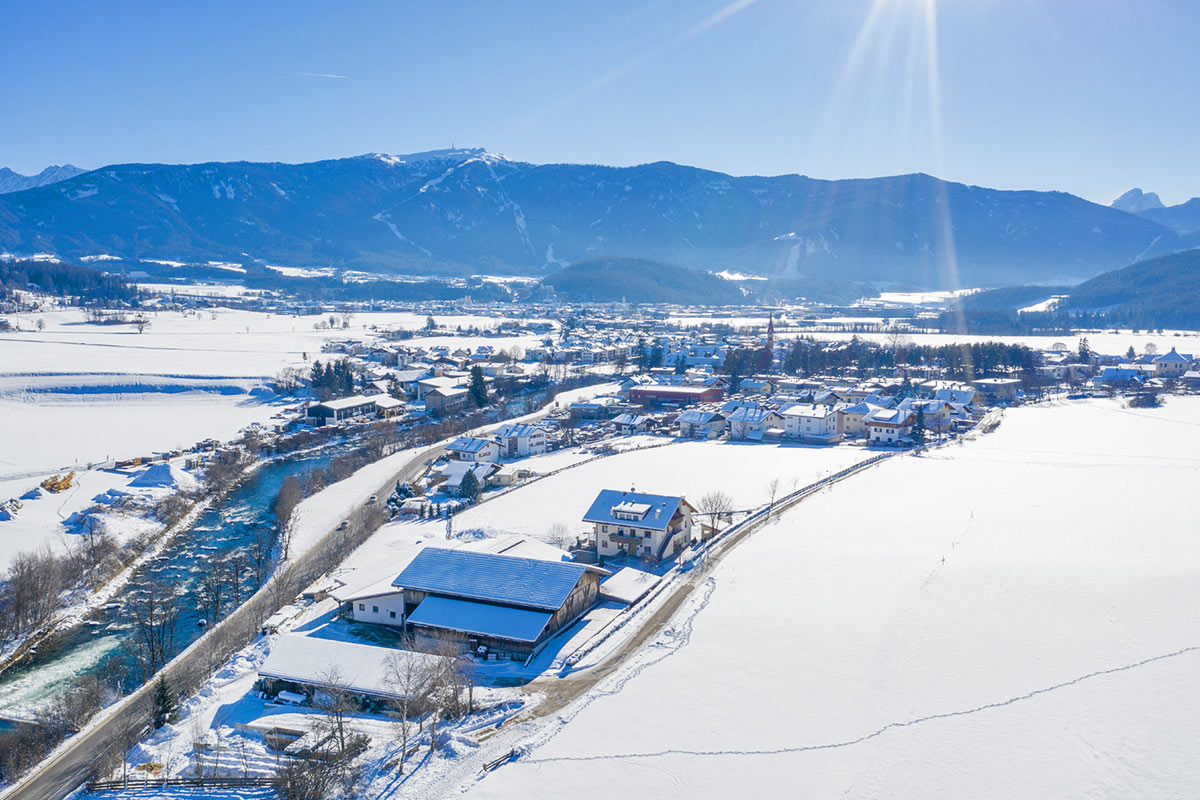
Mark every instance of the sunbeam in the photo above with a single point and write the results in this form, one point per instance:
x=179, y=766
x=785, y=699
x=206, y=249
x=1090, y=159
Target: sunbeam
x=621, y=70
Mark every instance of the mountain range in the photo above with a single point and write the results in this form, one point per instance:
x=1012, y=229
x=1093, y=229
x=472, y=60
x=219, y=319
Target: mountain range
x=469, y=211
x=16, y=182
x=1183, y=218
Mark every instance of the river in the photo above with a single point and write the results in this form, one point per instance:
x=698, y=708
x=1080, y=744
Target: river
x=105, y=635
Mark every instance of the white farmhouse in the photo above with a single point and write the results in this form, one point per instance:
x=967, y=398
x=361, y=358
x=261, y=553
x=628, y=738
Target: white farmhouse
x=1170, y=365
x=518, y=440
x=751, y=423
x=474, y=448
x=889, y=425
x=812, y=422
x=638, y=524
x=698, y=423
x=853, y=416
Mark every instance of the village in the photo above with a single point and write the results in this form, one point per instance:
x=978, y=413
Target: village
x=438, y=620
x=464, y=598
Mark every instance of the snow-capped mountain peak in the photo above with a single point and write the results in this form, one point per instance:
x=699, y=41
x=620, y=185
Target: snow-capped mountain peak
x=1135, y=200
x=11, y=181
x=453, y=155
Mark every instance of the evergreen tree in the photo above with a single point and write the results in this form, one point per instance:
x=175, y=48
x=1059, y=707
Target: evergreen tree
x=166, y=705
x=477, y=388
x=735, y=381
x=918, y=430
x=469, y=489
x=656, y=357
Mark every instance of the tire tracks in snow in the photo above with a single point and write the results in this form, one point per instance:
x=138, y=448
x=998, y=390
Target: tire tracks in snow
x=670, y=641
x=891, y=726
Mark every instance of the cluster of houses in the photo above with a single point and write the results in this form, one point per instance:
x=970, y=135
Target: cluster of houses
x=809, y=411
x=1149, y=371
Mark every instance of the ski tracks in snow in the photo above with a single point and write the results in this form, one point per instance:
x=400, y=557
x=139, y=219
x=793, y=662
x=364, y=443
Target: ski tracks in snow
x=891, y=726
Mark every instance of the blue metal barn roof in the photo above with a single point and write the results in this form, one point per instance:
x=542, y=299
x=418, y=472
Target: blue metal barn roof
x=491, y=578
x=481, y=619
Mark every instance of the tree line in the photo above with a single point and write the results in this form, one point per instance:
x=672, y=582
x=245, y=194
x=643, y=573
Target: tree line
x=90, y=286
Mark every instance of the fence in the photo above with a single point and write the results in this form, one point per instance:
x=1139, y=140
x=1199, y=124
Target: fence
x=165, y=783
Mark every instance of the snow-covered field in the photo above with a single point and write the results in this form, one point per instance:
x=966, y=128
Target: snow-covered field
x=77, y=393
x=1013, y=617
x=688, y=468
x=43, y=433
x=219, y=341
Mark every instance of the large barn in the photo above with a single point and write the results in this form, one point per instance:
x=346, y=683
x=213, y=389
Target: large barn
x=498, y=606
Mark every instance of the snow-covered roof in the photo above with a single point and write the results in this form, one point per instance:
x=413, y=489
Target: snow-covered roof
x=469, y=444
x=517, y=430
x=629, y=585
x=752, y=416
x=860, y=408
x=482, y=619
x=455, y=471
x=362, y=590
x=528, y=582
x=734, y=405
x=329, y=664
x=343, y=403
x=672, y=389
x=517, y=545
x=659, y=509
x=697, y=417
x=1171, y=357
x=808, y=410
x=961, y=394
x=887, y=416
x=630, y=419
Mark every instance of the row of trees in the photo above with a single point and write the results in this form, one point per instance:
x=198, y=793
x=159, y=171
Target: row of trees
x=335, y=379
x=859, y=356
x=68, y=281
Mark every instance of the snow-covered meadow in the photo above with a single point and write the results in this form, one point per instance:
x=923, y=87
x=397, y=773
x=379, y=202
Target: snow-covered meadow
x=689, y=468
x=1012, y=617
x=77, y=392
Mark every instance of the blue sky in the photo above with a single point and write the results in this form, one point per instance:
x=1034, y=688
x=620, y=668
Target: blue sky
x=1086, y=96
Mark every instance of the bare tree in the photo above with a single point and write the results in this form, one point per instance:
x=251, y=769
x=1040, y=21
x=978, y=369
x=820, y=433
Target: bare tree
x=713, y=505
x=560, y=535
x=284, y=507
x=409, y=675
x=336, y=701
x=214, y=583
x=452, y=671
x=773, y=490
x=235, y=571
x=155, y=614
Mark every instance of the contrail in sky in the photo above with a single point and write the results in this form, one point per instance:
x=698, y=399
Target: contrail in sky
x=321, y=75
